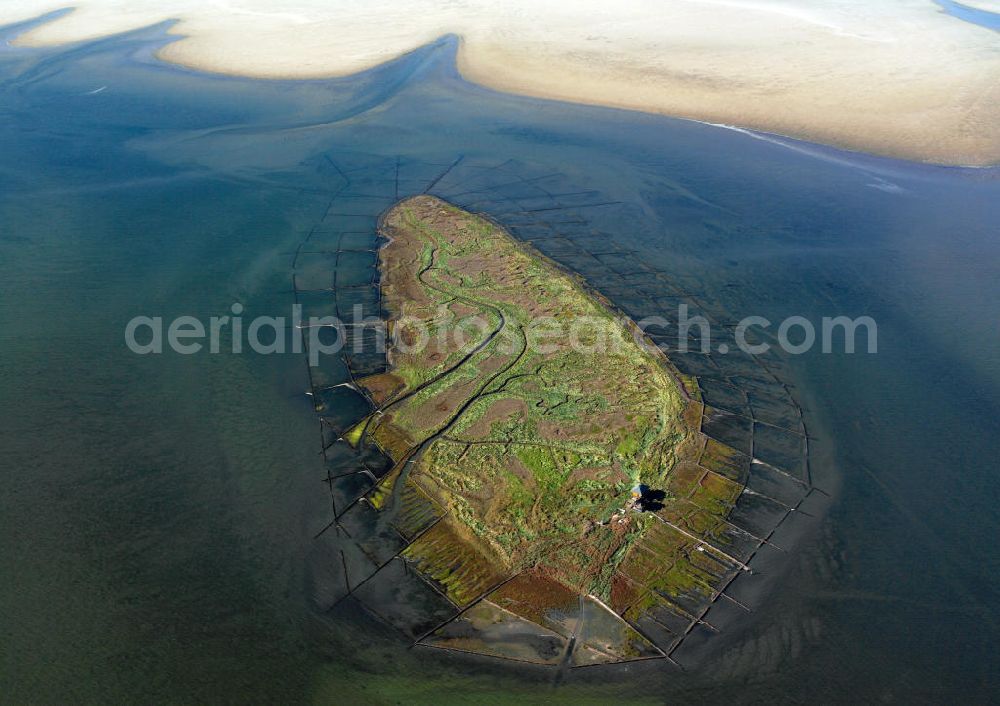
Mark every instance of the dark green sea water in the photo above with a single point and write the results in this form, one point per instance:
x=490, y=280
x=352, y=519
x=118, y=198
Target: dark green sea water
x=159, y=512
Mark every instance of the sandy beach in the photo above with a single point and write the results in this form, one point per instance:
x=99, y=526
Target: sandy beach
x=891, y=77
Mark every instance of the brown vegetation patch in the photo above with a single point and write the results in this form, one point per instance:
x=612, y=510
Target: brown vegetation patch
x=381, y=387
x=532, y=593
x=439, y=408
x=609, y=474
x=501, y=409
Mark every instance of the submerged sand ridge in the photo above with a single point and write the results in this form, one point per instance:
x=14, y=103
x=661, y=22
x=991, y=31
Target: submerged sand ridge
x=898, y=78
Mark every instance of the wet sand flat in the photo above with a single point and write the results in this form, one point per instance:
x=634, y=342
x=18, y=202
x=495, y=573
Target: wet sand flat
x=903, y=79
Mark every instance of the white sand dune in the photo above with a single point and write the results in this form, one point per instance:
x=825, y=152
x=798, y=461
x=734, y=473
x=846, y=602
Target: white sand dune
x=894, y=77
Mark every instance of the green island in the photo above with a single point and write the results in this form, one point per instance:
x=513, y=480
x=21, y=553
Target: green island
x=539, y=479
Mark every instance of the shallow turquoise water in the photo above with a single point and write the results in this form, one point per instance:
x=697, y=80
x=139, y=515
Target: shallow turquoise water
x=159, y=512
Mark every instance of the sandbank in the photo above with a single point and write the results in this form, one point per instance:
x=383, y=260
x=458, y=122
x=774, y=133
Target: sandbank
x=891, y=77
